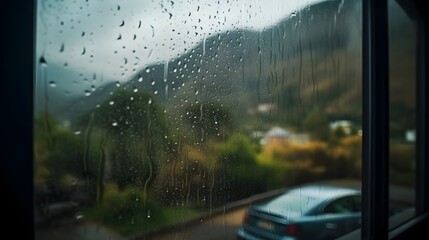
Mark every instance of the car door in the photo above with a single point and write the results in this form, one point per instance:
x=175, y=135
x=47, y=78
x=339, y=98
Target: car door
x=340, y=216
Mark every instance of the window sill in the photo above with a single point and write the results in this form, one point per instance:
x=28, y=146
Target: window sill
x=402, y=226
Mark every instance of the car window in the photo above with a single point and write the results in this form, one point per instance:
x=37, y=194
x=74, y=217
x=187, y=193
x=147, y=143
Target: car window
x=343, y=205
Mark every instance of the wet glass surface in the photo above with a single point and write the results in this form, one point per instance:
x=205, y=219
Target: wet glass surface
x=161, y=119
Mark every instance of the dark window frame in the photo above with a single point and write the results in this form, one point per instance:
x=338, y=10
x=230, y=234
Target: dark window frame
x=375, y=163
x=17, y=120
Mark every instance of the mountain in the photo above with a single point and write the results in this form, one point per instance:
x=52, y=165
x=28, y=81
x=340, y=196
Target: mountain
x=311, y=59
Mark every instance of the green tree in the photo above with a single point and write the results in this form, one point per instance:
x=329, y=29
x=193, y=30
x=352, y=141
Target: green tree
x=58, y=165
x=316, y=122
x=137, y=136
x=238, y=173
x=209, y=120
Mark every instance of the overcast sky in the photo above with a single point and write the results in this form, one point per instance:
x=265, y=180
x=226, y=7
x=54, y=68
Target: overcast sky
x=116, y=38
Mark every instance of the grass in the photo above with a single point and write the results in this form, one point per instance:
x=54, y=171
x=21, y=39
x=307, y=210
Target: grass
x=139, y=223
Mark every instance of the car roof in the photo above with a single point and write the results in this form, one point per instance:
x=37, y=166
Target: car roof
x=300, y=200
x=323, y=192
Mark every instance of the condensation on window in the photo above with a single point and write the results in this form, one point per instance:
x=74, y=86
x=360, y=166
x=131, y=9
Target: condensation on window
x=167, y=119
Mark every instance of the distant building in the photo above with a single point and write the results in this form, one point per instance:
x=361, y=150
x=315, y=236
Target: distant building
x=281, y=135
x=276, y=134
x=344, y=125
x=262, y=108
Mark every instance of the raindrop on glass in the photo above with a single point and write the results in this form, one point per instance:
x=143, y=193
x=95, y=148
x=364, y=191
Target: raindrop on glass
x=79, y=216
x=42, y=61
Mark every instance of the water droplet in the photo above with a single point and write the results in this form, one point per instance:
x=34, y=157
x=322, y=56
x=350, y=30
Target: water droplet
x=148, y=70
x=148, y=213
x=87, y=93
x=135, y=90
x=77, y=132
x=42, y=61
x=153, y=31
x=137, y=199
x=119, y=37
x=52, y=84
x=140, y=79
x=62, y=47
x=118, y=84
x=79, y=216
x=150, y=101
x=83, y=51
x=122, y=23
x=152, y=83
x=156, y=92
x=111, y=102
x=114, y=124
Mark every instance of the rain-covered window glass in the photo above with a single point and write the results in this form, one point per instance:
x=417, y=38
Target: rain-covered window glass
x=183, y=119
x=402, y=101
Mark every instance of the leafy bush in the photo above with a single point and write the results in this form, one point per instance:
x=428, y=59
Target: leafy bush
x=315, y=160
x=127, y=211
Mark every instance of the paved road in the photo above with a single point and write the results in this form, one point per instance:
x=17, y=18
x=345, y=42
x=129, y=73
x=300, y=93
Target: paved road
x=221, y=226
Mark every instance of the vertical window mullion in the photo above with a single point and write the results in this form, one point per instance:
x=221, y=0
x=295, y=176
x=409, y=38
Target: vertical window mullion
x=422, y=181
x=375, y=164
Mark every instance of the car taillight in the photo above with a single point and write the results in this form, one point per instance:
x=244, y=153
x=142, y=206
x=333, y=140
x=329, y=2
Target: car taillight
x=292, y=230
x=246, y=216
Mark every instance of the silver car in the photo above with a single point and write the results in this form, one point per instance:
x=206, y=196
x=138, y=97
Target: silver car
x=309, y=212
